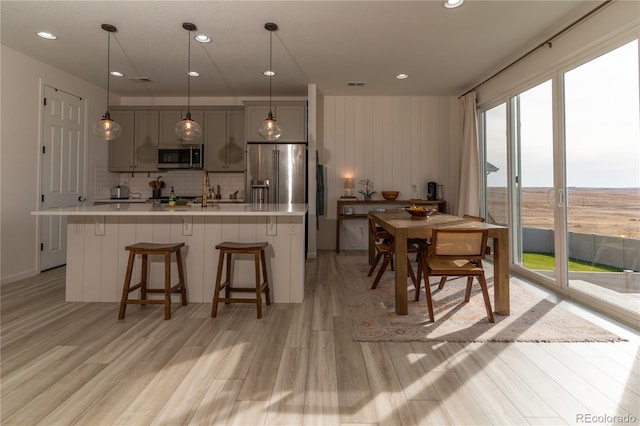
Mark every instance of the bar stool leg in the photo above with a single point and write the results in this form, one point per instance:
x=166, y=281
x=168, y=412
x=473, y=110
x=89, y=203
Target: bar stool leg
x=258, y=286
x=167, y=286
x=183, y=287
x=125, y=287
x=216, y=291
x=227, y=289
x=266, y=280
x=143, y=279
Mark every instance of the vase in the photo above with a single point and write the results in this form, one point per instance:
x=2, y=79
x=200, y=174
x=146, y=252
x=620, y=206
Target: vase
x=367, y=197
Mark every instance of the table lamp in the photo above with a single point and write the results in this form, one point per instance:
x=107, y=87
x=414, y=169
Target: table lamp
x=348, y=186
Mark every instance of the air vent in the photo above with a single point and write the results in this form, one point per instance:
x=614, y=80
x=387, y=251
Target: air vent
x=355, y=83
x=140, y=79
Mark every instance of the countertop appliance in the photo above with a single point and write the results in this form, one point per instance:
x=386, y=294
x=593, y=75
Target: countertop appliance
x=182, y=156
x=120, y=192
x=282, y=167
x=431, y=190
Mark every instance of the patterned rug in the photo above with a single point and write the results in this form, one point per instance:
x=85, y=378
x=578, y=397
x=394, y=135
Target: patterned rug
x=532, y=319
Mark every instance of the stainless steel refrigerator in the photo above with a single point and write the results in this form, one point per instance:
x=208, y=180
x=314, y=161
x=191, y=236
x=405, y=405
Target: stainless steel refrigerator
x=277, y=173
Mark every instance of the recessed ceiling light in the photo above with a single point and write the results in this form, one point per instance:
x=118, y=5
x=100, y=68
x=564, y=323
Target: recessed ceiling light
x=269, y=73
x=46, y=35
x=450, y=4
x=193, y=74
x=116, y=74
x=402, y=76
x=203, y=38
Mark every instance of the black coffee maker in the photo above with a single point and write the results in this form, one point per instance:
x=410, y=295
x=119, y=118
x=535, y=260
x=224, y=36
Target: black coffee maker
x=431, y=190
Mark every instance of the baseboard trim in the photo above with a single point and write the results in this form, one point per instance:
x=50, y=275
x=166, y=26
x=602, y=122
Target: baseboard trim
x=17, y=277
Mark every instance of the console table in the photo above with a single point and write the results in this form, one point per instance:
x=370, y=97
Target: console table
x=441, y=206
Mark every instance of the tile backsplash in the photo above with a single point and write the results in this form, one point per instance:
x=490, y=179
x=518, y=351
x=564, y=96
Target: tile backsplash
x=184, y=182
x=104, y=181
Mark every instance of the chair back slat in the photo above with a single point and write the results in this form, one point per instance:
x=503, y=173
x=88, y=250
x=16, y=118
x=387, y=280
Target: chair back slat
x=372, y=228
x=459, y=243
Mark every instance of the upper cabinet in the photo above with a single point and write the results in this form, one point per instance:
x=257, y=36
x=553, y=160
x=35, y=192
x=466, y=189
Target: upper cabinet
x=169, y=119
x=224, y=140
x=223, y=135
x=135, y=150
x=146, y=141
x=121, y=149
x=290, y=116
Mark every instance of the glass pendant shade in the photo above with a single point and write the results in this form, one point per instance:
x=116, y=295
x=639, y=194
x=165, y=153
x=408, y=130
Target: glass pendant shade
x=269, y=129
x=188, y=129
x=107, y=129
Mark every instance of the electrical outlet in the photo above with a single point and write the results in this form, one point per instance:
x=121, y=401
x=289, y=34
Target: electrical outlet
x=271, y=225
x=187, y=225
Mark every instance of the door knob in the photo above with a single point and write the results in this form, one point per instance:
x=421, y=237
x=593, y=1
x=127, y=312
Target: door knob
x=81, y=198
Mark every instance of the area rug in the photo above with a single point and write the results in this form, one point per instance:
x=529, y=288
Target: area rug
x=533, y=318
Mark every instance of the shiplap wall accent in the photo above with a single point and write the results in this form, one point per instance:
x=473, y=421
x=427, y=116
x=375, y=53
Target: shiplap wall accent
x=395, y=141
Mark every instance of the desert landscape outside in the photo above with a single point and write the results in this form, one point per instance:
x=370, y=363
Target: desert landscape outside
x=601, y=211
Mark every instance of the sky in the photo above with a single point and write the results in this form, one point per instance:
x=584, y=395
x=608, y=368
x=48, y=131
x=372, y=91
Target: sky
x=602, y=127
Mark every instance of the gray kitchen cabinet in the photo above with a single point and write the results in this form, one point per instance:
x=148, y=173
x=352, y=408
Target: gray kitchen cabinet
x=224, y=140
x=290, y=116
x=121, y=149
x=146, y=141
x=135, y=150
x=168, y=120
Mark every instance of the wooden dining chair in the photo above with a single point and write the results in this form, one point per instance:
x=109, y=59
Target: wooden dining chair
x=384, y=246
x=455, y=252
x=487, y=249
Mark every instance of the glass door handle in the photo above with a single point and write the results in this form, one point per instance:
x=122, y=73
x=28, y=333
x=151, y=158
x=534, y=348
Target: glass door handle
x=553, y=200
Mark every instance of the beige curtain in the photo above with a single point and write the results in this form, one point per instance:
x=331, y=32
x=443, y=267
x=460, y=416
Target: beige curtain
x=469, y=191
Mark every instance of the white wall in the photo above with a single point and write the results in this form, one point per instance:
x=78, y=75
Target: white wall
x=394, y=141
x=22, y=80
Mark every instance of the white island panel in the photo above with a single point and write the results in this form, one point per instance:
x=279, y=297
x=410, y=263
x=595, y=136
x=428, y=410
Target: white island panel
x=97, y=260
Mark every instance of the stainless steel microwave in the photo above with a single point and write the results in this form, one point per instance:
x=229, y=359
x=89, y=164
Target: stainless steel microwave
x=180, y=156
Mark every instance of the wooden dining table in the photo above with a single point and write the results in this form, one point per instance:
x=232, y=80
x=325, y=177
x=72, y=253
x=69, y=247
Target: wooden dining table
x=402, y=227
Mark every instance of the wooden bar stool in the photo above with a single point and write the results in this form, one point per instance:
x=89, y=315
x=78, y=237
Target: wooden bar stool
x=229, y=248
x=146, y=249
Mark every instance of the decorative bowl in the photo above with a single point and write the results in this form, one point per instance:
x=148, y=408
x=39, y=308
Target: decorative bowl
x=419, y=212
x=390, y=195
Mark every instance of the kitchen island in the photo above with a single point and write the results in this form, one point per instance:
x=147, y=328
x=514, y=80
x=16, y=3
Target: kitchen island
x=97, y=237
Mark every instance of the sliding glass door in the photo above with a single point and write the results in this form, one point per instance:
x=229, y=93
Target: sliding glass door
x=602, y=140
x=533, y=198
x=562, y=169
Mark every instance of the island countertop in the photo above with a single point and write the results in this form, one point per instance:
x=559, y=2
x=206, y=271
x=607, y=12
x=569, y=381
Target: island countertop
x=148, y=209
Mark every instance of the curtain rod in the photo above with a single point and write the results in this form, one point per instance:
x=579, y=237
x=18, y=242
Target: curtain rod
x=547, y=42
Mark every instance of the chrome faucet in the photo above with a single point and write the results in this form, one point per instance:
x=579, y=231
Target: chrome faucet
x=205, y=187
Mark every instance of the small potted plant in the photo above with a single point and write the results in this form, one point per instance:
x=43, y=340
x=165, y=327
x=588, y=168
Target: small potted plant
x=367, y=189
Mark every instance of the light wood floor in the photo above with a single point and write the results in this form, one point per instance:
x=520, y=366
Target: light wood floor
x=74, y=363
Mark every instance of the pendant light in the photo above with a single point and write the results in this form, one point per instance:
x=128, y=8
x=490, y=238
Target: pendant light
x=269, y=129
x=188, y=129
x=106, y=128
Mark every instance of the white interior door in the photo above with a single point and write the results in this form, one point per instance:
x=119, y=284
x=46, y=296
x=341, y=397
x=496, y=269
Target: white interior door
x=63, y=181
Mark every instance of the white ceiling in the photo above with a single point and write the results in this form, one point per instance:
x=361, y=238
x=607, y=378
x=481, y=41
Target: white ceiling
x=328, y=43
